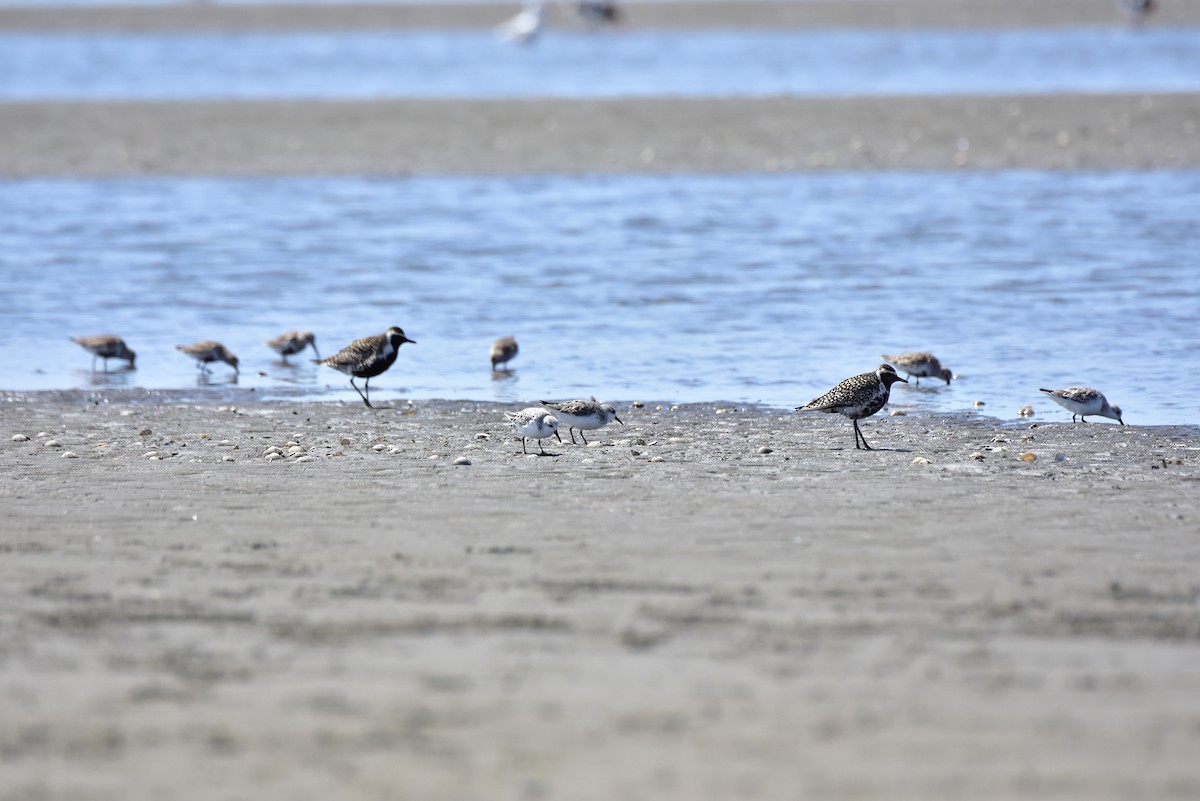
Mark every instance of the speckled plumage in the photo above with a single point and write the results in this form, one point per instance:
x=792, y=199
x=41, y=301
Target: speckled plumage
x=106, y=346
x=208, y=350
x=857, y=397
x=1083, y=401
x=534, y=423
x=503, y=350
x=367, y=358
x=920, y=364
x=585, y=415
x=292, y=342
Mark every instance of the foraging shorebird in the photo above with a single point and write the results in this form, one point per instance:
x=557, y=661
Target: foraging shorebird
x=920, y=364
x=208, y=350
x=534, y=423
x=367, y=358
x=600, y=12
x=1137, y=10
x=525, y=26
x=857, y=397
x=1083, y=401
x=503, y=350
x=582, y=414
x=106, y=346
x=292, y=343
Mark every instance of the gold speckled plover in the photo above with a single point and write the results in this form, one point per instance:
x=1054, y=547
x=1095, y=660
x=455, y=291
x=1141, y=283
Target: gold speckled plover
x=106, y=346
x=367, y=358
x=857, y=397
x=1083, y=401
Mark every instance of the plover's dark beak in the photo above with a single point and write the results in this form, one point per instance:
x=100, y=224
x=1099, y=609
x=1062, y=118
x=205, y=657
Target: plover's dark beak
x=409, y=341
x=618, y=419
x=558, y=435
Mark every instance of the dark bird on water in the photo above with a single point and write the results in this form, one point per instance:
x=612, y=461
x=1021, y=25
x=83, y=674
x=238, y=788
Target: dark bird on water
x=292, y=342
x=503, y=350
x=105, y=346
x=920, y=364
x=207, y=351
x=367, y=358
x=857, y=397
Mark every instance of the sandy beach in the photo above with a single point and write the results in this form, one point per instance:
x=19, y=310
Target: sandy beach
x=647, y=135
x=672, y=612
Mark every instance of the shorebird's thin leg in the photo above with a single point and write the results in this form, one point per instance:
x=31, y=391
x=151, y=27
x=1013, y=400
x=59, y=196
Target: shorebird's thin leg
x=93, y=363
x=105, y=360
x=523, y=447
x=581, y=436
x=540, y=448
x=571, y=431
x=861, y=435
x=359, y=391
x=1082, y=419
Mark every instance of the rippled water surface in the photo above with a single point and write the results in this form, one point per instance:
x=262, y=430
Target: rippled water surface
x=744, y=288
x=575, y=64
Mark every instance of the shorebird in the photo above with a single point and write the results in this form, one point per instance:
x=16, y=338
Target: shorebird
x=1083, y=401
x=208, y=350
x=525, y=26
x=857, y=397
x=105, y=346
x=292, y=343
x=367, y=358
x=1137, y=10
x=921, y=364
x=582, y=414
x=534, y=423
x=503, y=350
x=602, y=12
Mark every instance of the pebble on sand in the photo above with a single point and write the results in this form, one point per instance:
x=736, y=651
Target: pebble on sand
x=1028, y=456
x=20, y=438
x=51, y=443
x=1026, y=411
x=922, y=460
x=69, y=455
x=462, y=460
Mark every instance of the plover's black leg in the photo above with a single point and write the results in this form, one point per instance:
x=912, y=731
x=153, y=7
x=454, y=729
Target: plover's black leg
x=541, y=450
x=523, y=447
x=858, y=432
x=581, y=436
x=359, y=391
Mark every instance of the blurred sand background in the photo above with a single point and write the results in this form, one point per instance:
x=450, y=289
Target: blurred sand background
x=184, y=619
x=397, y=137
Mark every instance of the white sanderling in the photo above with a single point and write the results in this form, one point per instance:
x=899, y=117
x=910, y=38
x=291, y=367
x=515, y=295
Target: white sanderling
x=503, y=350
x=857, y=397
x=367, y=358
x=920, y=364
x=525, y=26
x=106, y=346
x=534, y=423
x=292, y=342
x=207, y=351
x=586, y=415
x=1083, y=401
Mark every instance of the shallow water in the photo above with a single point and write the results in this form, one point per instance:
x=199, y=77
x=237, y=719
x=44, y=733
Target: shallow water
x=745, y=288
x=574, y=64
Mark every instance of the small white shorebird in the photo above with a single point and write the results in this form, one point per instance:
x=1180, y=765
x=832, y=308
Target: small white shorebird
x=504, y=350
x=292, y=342
x=586, y=415
x=1083, y=401
x=920, y=364
x=525, y=26
x=857, y=397
x=106, y=346
x=207, y=351
x=534, y=423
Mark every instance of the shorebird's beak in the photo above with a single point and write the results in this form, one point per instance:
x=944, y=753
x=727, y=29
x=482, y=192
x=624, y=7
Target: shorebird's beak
x=905, y=380
x=618, y=419
x=409, y=341
x=558, y=435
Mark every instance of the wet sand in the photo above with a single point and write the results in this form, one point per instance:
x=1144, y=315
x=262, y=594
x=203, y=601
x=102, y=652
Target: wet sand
x=724, y=623
x=649, y=135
